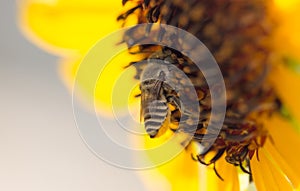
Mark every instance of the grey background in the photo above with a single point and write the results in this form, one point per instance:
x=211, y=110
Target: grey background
x=40, y=147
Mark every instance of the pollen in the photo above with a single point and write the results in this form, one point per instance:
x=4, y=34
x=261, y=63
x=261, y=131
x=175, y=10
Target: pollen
x=237, y=34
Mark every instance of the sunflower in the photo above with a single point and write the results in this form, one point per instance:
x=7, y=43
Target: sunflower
x=268, y=32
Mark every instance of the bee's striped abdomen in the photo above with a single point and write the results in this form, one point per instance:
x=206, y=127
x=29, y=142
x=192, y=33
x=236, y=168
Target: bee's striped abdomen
x=155, y=113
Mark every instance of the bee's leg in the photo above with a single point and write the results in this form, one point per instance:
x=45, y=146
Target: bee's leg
x=185, y=109
x=174, y=100
x=177, y=114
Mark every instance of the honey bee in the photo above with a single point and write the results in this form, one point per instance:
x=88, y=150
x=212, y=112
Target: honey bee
x=156, y=94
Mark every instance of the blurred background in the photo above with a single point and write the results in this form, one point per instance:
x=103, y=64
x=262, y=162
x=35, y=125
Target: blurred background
x=40, y=146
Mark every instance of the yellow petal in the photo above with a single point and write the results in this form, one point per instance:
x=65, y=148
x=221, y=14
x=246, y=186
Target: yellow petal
x=286, y=140
x=183, y=173
x=286, y=5
x=287, y=86
x=266, y=176
x=61, y=26
x=227, y=171
x=287, y=39
x=112, y=88
x=278, y=167
x=179, y=173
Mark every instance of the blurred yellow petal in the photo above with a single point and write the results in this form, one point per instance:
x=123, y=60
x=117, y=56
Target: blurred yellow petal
x=227, y=171
x=287, y=85
x=180, y=172
x=183, y=173
x=63, y=26
x=114, y=86
x=286, y=4
x=287, y=39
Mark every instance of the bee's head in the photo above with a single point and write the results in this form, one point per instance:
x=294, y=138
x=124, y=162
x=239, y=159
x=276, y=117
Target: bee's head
x=156, y=69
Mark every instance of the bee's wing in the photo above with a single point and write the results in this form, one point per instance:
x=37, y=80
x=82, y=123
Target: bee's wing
x=148, y=96
x=144, y=98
